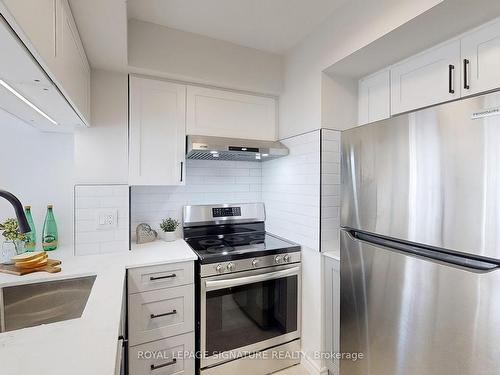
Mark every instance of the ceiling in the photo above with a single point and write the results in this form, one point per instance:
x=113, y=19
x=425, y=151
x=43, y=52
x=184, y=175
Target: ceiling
x=268, y=25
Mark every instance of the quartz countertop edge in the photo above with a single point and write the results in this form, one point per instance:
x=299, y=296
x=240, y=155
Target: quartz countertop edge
x=68, y=345
x=334, y=254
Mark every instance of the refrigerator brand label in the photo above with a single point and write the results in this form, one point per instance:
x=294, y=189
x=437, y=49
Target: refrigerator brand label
x=486, y=113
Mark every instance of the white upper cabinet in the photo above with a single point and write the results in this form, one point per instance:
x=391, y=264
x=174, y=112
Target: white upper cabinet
x=426, y=79
x=54, y=40
x=38, y=20
x=73, y=69
x=374, y=97
x=229, y=114
x=481, y=59
x=157, y=132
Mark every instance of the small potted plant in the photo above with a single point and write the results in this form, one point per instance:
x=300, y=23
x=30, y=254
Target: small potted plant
x=14, y=240
x=168, y=227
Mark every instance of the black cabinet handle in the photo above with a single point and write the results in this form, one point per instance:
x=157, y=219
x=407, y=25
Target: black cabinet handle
x=156, y=367
x=153, y=278
x=173, y=312
x=466, y=74
x=182, y=170
x=451, y=69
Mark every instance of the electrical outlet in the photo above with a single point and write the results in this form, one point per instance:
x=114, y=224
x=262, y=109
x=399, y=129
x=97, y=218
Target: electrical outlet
x=107, y=219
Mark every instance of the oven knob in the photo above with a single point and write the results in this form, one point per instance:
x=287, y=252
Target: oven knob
x=219, y=268
x=255, y=263
x=278, y=259
x=230, y=267
x=286, y=258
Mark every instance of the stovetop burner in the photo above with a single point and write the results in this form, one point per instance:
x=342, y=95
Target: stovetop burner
x=222, y=247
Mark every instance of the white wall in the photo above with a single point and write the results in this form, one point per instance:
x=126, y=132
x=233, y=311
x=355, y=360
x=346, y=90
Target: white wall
x=101, y=151
x=175, y=54
x=207, y=182
x=351, y=27
x=38, y=168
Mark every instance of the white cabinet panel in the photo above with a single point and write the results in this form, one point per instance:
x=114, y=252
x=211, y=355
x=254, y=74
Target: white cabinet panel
x=331, y=313
x=72, y=66
x=144, y=279
x=374, y=97
x=160, y=313
x=230, y=114
x=481, y=60
x=157, y=132
x=38, y=20
x=424, y=80
x=169, y=358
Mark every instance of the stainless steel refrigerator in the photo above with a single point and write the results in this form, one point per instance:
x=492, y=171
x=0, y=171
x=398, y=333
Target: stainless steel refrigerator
x=420, y=242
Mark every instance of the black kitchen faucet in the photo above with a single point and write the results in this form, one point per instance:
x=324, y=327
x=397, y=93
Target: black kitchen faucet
x=18, y=208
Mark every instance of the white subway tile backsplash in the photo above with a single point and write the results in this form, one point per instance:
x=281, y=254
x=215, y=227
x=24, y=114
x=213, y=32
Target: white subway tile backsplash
x=89, y=201
x=330, y=190
x=291, y=191
x=207, y=182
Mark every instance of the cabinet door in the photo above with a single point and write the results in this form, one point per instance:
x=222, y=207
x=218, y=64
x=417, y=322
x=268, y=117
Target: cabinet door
x=37, y=18
x=331, y=314
x=481, y=60
x=157, y=132
x=72, y=66
x=429, y=78
x=230, y=114
x=374, y=97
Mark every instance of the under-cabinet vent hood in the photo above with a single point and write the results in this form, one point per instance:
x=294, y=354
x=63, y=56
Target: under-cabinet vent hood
x=217, y=148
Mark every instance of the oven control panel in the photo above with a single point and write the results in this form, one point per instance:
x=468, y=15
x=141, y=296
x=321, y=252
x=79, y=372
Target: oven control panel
x=250, y=264
x=226, y=211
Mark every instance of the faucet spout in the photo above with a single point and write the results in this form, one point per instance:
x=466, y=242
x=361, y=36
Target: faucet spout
x=24, y=227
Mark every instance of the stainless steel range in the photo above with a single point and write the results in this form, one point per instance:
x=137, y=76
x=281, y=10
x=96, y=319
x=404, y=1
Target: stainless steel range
x=248, y=291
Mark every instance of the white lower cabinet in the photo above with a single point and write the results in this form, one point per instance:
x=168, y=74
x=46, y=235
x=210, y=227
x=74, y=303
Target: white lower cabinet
x=481, y=59
x=157, y=144
x=163, y=357
x=426, y=79
x=161, y=313
x=161, y=320
x=331, y=313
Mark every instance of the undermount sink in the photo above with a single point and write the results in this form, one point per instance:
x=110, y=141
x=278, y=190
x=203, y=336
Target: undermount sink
x=46, y=302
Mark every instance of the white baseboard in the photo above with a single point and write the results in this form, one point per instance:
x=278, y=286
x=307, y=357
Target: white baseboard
x=312, y=367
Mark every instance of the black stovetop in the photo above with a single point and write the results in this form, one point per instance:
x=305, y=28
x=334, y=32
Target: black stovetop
x=216, y=246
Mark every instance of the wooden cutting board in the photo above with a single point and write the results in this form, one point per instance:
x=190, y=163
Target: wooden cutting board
x=51, y=267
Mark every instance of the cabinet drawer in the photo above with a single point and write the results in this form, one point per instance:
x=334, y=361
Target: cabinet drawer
x=159, y=277
x=160, y=313
x=167, y=357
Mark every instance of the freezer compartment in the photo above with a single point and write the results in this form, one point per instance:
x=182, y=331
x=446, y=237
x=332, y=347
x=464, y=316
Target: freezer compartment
x=430, y=176
x=413, y=315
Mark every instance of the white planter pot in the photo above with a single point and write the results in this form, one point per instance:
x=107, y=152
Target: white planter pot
x=168, y=236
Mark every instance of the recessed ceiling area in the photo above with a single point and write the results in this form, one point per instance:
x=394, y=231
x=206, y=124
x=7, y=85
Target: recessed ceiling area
x=268, y=25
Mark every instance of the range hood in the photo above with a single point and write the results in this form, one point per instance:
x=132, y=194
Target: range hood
x=218, y=148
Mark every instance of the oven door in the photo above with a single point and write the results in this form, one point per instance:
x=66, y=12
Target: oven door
x=246, y=312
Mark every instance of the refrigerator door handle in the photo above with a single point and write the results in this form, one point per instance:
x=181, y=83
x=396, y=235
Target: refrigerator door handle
x=472, y=264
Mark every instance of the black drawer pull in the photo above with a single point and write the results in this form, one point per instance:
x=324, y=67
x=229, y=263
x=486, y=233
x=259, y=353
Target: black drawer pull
x=153, y=278
x=156, y=367
x=173, y=312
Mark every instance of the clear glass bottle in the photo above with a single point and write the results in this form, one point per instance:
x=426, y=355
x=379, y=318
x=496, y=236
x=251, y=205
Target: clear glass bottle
x=49, y=236
x=30, y=237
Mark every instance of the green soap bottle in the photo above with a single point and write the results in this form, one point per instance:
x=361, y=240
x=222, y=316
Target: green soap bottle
x=49, y=236
x=30, y=237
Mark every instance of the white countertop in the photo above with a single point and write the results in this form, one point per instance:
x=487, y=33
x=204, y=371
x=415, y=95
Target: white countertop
x=87, y=345
x=335, y=254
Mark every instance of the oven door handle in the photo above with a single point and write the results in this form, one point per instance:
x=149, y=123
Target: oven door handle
x=228, y=283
